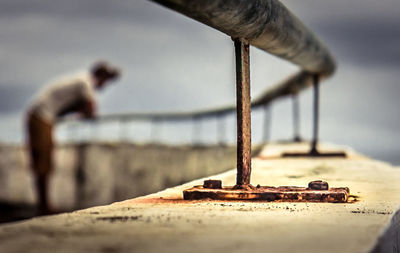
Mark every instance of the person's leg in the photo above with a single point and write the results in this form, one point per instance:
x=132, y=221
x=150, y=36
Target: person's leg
x=41, y=145
x=42, y=193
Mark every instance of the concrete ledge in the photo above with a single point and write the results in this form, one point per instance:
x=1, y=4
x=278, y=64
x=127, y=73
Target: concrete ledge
x=164, y=222
x=123, y=170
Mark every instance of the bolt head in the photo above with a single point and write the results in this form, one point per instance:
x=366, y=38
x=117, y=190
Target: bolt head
x=212, y=184
x=318, y=185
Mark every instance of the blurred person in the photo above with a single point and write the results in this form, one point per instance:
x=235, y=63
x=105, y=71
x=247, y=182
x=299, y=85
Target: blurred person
x=71, y=94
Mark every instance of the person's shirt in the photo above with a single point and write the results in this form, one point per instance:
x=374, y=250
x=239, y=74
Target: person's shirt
x=64, y=96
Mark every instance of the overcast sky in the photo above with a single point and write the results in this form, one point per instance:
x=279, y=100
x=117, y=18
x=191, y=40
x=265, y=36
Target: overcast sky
x=170, y=62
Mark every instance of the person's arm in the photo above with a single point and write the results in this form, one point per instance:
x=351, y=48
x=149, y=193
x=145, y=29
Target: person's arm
x=89, y=109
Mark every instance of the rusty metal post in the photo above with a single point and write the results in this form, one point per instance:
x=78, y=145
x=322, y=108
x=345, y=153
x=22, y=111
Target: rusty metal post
x=296, y=118
x=315, y=115
x=243, y=109
x=314, y=142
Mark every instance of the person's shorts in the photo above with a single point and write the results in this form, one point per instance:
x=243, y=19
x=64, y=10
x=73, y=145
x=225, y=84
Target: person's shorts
x=40, y=144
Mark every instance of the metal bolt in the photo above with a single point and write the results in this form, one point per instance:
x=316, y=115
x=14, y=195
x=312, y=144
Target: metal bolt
x=318, y=185
x=212, y=184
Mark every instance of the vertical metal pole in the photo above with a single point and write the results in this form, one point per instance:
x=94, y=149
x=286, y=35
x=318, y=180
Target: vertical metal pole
x=243, y=108
x=221, y=129
x=296, y=118
x=196, y=131
x=96, y=131
x=316, y=115
x=124, y=130
x=70, y=134
x=78, y=137
x=154, y=131
x=267, y=123
x=121, y=130
x=131, y=129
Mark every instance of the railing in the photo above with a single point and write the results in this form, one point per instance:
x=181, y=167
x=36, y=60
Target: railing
x=269, y=26
x=288, y=88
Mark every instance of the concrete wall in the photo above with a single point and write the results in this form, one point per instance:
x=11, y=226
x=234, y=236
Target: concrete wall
x=90, y=174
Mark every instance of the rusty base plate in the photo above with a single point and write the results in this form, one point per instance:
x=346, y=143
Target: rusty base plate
x=268, y=193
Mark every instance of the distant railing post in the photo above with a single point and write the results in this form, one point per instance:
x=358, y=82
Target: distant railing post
x=315, y=115
x=196, y=131
x=94, y=130
x=296, y=117
x=122, y=125
x=154, y=131
x=267, y=123
x=243, y=108
x=221, y=129
x=74, y=133
x=70, y=132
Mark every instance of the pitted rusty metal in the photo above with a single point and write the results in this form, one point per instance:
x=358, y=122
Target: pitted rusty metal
x=243, y=112
x=317, y=191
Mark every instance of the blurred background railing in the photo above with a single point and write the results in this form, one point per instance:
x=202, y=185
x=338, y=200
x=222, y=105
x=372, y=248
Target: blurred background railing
x=122, y=125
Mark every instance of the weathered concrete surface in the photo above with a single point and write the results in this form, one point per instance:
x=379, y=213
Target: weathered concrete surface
x=163, y=222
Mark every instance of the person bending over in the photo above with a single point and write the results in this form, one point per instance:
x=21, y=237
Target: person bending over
x=72, y=94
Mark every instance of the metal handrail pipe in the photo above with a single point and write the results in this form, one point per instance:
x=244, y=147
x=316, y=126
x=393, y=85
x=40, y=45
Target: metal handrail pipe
x=265, y=24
